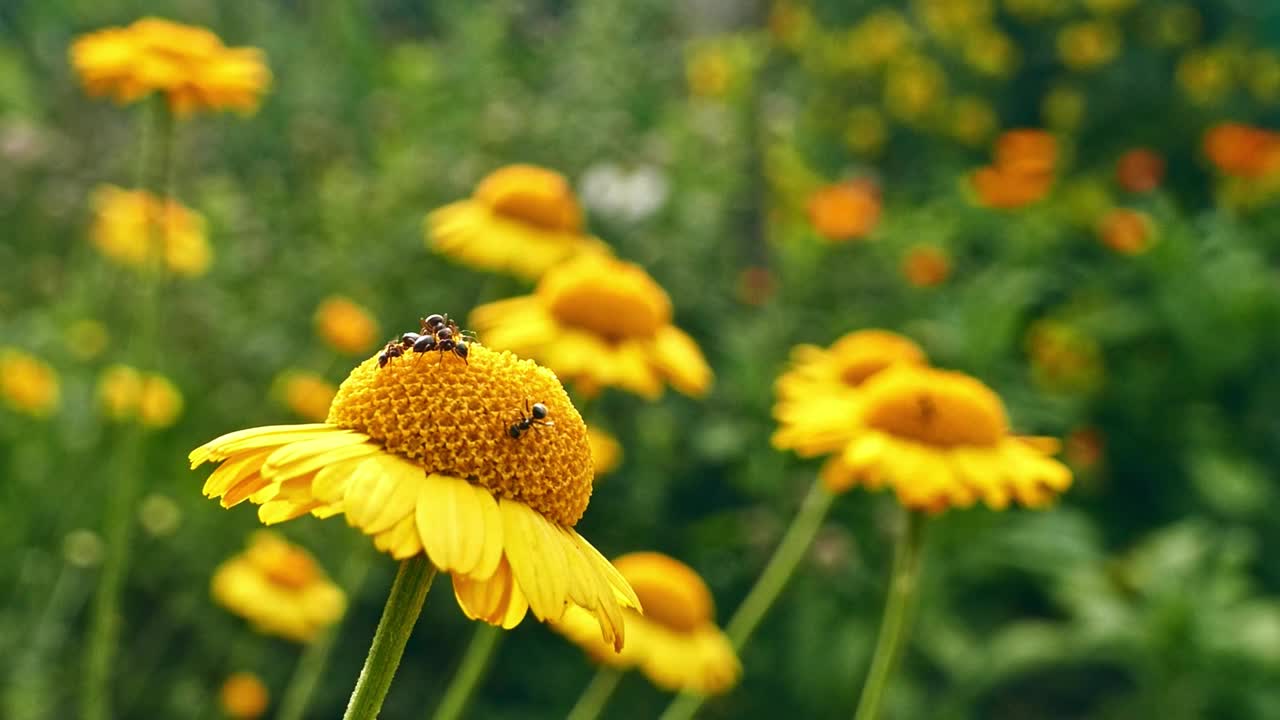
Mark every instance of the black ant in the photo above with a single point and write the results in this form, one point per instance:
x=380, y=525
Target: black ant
x=440, y=334
x=537, y=415
x=396, y=348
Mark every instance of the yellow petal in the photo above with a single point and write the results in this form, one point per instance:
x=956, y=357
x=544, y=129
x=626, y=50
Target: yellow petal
x=227, y=445
x=536, y=557
x=496, y=600
x=301, y=457
x=330, y=483
x=233, y=471
x=452, y=523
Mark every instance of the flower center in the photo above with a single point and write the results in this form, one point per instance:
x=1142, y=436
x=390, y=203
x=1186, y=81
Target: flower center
x=282, y=563
x=533, y=195
x=454, y=417
x=670, y=592
x=934, y=407
x=609, y=298
x=864, y=353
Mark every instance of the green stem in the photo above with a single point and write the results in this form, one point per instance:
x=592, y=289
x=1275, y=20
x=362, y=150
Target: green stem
x=403, y=605
x=894, y=627
x=597, y=694
x=474, y=663
x=125, y=484
x=311, y=665
x=790, y=551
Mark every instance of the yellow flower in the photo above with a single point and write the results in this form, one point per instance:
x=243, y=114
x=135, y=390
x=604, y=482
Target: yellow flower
x=599, y=322
x=346, y=326
x=709, y=72
x=990, y=52
x=1205, y=76
x=124, y=393
x=127, y=223
x=606, y=453
x=877, y=39
x=1264, y=75
x=521, y=219
x=160, y=403
x=818, y=394
x=278, y=587
x=190, y=65
x=119, y=387
x=941, y=439
x=90, y=338
x=951, y=18
x=27, y=384
x=1088, y=45
x=676, y=643
x=306, y=393
x=972, y=120
x=790, y=23
x=244, y=696
x=417, y=455
x=1063, y=108
x=912, y=87
x=1174, y=25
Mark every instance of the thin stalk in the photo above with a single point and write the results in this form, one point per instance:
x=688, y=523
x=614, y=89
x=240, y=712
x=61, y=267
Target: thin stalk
x=125, y=481
x=790, y=552
x=404, y=603
x=472, y=668
x=597, y=694
x=894, y=625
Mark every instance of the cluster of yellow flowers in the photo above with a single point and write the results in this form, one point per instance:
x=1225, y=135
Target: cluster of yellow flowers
x=138, y=229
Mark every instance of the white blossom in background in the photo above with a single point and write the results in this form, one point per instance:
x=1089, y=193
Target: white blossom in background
x=626, y=194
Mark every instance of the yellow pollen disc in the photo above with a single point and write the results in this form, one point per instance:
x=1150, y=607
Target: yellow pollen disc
x=670, y=592
x=610, y=298
x=531, y=194
x=864, y=353
x=282, y=563
x=934, y=407
x=452, y=417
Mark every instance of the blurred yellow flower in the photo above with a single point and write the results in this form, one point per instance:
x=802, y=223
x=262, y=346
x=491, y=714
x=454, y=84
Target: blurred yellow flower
x=790, y=23
x=990, y=52
x=845, y=210
x=941, y=439
x=346, y=326
x=1063, y=358
x=1263, y=76
x=27, y=384
x=865, y=131
x=676, y=642
x=948, y=19
x=1063, y=108
x=1126, y=231
x=279, y=588
x=1088, y=45
x=244, y=696
x=1205, y=76
x=912, y=86
x=926, y=266
x=1140, y=170
x=306, y=394
x=126, y=393
x=90, y=338
x=127, y=223
x=972, y=119
x=599, y=322
x=877, y=39
x=1173, y=25
x=709, y=72
x=442, y=476
x=521, y=219
x=818, y=394
x=606, y=452
x=188, y=64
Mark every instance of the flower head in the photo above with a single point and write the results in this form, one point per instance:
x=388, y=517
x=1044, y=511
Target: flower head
x=278, y=587
x=1140, y=170
x=346, y=326
x=926, y=266
x=599, y=322
x=417, y=454
x=1126, y=231
x=306, y=394
x=1088, y=45
x=846, y=210
x=941, y=439
x=188, y=64
x=138, y=229
x=126, y=393
x=1241, y=150
x=27, y=384
x=606, y=452
x=244, y=696
x=818, y=394
x=676, y=643
x=1022, y=171
x=521, y=219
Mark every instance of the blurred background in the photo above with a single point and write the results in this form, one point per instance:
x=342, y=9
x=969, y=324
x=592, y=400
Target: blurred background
x=1129, y=306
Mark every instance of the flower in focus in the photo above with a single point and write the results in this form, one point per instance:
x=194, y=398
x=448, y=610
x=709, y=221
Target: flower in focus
x=279, y=588
x=306, y=394
x=676, y=642
x=1064, y=358
x=1140, y=170
x=417, y=455
x=127, y=224
x=941, y=439
x=125, y=393
x=1022, y=172
x=27, y=384
x=521, y=219
x=189, y=64
x=244, y=696
x=1128, y=232
x=1242, y=150
x=346, y=326
x=606, y=452
x=1088, y=45
x=846, y=210
x=818, y=394
x=599, y=322
x=926, y=266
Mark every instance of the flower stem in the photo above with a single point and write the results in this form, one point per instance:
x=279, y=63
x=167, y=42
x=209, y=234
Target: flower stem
x=790, y=551
x=597, y=694
x=104, y=630
x=470, y=671
x=894, y=627
x=404, y=603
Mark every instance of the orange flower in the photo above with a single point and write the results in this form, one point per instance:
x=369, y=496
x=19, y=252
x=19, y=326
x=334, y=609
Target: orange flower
x=1242, y=150
x=1140, y=170
x=846, y=210
x=1128, y=232
x=346, y=326
x=1003, y=189
x=1026, y=151
x=1022, y=172
x=926, y=266
x=244, y=696
x=1083, y=448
